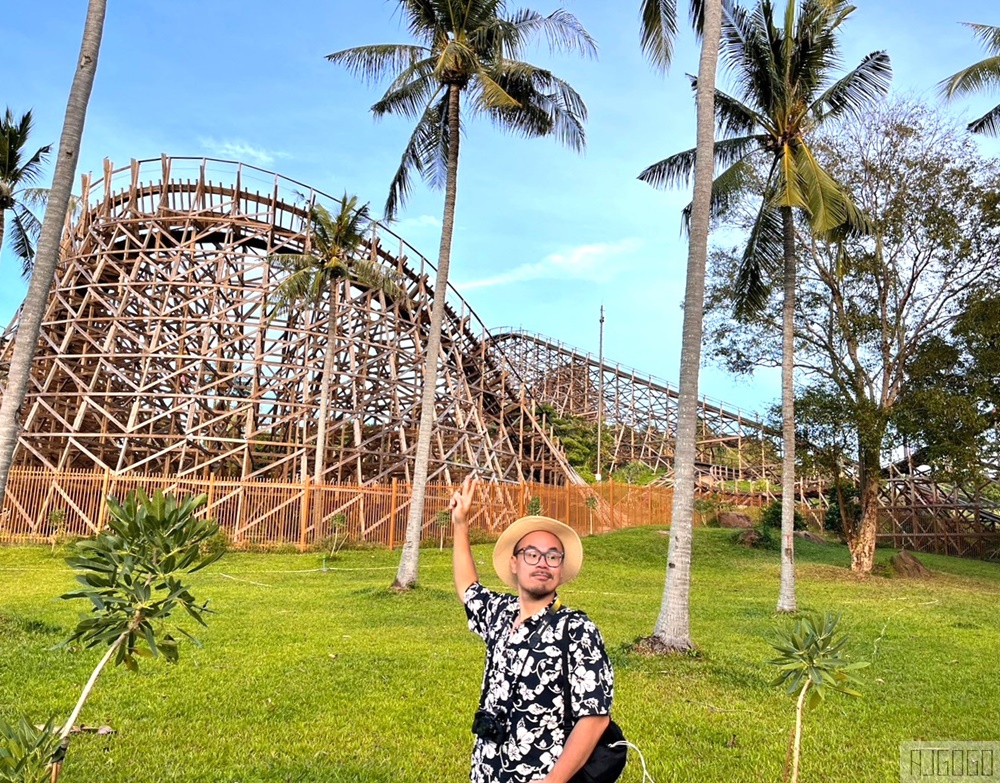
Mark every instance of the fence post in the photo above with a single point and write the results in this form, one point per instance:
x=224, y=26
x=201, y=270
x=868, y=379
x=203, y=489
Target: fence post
x=211, y=493
x=611, y=502
x=102, y=504
x=392, y=516
x=304, y=517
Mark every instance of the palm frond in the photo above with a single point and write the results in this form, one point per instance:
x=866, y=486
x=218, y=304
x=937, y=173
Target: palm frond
x=988, y=35
x=546, y=105
x=25, y=230
x=853, y=94
x=978, y=77
x=727, y=189
x=409, y=92
x=658, y=30
x=421, y=18
x=732, y=116
x=372, y=63
x=827, y=203
x=989, y=123
x=562, y=32
x=762, y=260
x=678, y=170
x=456, y=63
x=490, y=95
x=426, y=152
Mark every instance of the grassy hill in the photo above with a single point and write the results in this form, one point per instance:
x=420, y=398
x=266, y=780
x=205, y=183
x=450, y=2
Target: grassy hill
x=308, y=675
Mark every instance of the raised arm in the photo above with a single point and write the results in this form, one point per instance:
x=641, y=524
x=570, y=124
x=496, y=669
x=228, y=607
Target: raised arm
x=463, y=566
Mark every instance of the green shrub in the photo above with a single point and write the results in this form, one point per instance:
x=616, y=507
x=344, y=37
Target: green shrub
x=833, y=521
x=770, y=516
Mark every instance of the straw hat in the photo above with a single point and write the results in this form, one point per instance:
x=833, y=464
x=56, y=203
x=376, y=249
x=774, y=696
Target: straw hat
x=567, y=536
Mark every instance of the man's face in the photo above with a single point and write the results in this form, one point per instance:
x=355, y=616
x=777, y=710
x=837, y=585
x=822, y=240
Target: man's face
x=541, y=579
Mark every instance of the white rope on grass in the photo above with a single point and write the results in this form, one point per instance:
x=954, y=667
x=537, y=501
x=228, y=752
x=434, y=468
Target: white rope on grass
x=245, y=581
x=645, y=772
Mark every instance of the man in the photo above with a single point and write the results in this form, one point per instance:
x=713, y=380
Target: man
x=521, y=724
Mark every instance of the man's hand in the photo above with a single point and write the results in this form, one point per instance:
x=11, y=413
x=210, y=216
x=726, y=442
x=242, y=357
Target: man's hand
x=463, y=566
x=461, y=501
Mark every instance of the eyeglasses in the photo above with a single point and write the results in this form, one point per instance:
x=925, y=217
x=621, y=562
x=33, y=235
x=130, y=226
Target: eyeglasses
x=532, y=556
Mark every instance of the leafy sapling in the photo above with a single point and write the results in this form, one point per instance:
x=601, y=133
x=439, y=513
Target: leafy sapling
x=131, y=573
x=811, y=665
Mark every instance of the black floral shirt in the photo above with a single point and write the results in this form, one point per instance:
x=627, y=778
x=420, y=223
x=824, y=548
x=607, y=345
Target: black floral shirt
x=524, y=678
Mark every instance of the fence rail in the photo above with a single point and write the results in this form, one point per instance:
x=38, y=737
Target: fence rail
x=41, y=505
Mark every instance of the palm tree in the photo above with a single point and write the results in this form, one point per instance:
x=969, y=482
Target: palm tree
x=317, y=276
x=672, y=631
x=978, y=77
x=467, y=48
x=784, y=91
x=47, y=254
x=17, y=172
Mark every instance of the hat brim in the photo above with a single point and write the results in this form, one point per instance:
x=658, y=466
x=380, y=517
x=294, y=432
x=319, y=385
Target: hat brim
x=504, y=549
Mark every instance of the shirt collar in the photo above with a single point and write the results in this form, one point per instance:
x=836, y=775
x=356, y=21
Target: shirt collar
x=553, y=606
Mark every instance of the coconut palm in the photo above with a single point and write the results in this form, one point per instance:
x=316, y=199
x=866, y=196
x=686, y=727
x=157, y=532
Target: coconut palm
x=18, y=172
x=672, y=631
x=47, y=253
x=467, y=49
x=784, y=92
x=978, y=77
x=317, y=278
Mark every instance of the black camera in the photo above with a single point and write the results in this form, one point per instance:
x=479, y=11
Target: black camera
x=488, y=726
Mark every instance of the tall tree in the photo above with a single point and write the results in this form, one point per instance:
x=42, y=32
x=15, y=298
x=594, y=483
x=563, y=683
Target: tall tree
x=49, y=241
x=979, y=77
x=883, y=320
x=782, y=75
x=18, y=172
x=470, y=49
x=672, y=631
x=333, y=259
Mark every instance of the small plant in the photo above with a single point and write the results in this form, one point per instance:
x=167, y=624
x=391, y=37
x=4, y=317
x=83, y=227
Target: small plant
x=131, y=574
x=534, y=506
x=811, y=665
x=441, y=521
x=591, y=504
x=27, y=751
x=335, y=538
x=771, y=517
x=57, y=526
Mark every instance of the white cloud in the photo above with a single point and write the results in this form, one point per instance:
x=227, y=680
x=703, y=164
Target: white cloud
x=241, y=151
x=421, y=221
x=598, y=263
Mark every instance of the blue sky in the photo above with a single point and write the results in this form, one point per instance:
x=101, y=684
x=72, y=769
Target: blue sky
x=544, y=236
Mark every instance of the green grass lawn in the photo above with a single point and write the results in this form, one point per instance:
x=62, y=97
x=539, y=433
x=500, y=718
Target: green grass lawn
x=312, y=676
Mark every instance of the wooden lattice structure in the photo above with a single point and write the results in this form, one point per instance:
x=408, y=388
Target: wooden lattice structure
x=924, y=515
x=159, y=351
x=639, y=410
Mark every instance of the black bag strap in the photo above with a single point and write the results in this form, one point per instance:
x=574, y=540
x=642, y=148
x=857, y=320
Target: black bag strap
x=563, y=642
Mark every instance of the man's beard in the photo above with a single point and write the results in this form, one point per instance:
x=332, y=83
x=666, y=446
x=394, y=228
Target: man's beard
x=537, y=593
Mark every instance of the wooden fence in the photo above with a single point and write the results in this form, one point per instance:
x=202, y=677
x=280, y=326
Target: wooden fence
x=41, y=506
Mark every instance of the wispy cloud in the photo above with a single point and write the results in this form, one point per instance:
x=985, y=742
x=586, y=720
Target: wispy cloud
x=241, y=151
x=420, y=221
x=598, y=263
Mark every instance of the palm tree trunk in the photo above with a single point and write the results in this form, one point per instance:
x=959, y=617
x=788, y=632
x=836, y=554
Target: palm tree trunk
x=786, y=597
x=324, y=385
x=406, y=575
x=673, y=625
x=47, y=256
x=3, y=225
